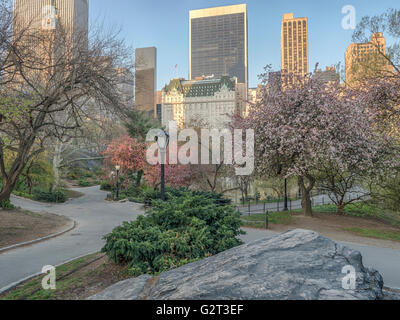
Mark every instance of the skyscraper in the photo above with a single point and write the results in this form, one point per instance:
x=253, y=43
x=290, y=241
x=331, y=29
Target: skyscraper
x=72, y=15
x=146, y=79
x=218, y=43
x=360, y=57
x=294, y=48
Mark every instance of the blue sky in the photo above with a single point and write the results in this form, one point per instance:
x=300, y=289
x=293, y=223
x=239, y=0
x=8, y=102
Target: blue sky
x=164, y=24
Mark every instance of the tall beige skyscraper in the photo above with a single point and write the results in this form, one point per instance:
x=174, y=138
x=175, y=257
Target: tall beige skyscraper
x=72, y=15
x=294, y=48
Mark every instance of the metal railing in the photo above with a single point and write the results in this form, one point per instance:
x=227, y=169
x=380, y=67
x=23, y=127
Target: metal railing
x=279, y=206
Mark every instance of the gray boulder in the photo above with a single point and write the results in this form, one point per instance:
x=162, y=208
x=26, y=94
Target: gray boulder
x=296, y=265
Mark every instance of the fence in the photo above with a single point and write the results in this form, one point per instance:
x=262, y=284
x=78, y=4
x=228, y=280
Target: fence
x=265, y=206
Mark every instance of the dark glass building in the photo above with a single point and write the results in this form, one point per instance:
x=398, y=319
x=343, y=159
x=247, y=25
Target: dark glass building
x=218, y=43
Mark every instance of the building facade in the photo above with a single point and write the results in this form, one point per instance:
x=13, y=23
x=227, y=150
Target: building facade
x=71, y=15
x=218, y=43
x=328, y=76
x=146, y=80
x=125, y=84
x=294, y=48
x=359, y=54
x=200, y=103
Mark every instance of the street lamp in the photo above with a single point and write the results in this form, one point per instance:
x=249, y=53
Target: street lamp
x=117, y=167
x=162, y=140
x=286, y=197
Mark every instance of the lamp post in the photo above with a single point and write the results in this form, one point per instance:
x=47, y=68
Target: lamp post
x=117, y=167
x=286, y=197
x=162, y=140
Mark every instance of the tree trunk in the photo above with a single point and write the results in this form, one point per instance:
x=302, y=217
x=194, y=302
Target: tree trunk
x=30, y=185
x=8, y=186
x=340, y=209
x=6, y=193
x=56, y=165
x=139, y=178
x=306, y=194
x=10, y=179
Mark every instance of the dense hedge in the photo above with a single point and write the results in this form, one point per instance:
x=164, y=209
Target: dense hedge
x=147, y=196
x=185, y=228
x=47, y=196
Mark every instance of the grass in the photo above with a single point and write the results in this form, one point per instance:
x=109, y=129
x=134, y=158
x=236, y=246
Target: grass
x=377, y=234
x=258, y=220
x=32, y=289
x=363, y=210
x=72, y=194
x=78, y=279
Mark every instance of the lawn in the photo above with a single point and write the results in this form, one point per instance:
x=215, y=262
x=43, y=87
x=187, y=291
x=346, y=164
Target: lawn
x=258, y=220
x=72, y=194
x=360, y=219
x=363, y=210
x=377, y=234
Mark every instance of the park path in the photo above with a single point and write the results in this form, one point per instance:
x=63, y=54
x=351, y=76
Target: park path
x=385, y=260
x=94, y=217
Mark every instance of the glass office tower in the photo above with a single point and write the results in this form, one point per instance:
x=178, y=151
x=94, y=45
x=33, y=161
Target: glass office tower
x=218, y=42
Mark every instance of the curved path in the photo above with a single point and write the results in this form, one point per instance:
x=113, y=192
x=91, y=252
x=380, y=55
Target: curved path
x=95, y=218
x=385, y=260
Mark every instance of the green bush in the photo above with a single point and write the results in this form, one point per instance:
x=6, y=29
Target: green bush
x=105, y=186
x=84, y=183
x=180, y=230
x=48, y=196
x=150, y=195
x=23, y=194
x=79, y=173
x=7, y=205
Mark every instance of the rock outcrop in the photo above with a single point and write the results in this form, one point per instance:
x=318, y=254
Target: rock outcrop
x=295, y=265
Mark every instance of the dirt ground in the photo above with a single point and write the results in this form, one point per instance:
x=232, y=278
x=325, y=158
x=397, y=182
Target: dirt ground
x=17, y=226
x=333, y=226
x=96, y=277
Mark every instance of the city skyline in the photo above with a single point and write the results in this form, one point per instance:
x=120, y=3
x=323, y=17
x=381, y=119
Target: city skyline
x=169, y=31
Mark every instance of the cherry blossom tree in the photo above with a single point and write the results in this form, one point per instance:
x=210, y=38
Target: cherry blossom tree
x=304, y=129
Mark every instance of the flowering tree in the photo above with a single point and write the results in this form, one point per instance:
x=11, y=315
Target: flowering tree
x=305, y=129
x=176, y=175
x=126, y=152
x=380, y=93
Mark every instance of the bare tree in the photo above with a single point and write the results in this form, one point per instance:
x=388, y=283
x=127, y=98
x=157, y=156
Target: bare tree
x=47, y=79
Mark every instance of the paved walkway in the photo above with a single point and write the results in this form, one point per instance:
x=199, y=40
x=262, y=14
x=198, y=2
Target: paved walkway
x=385, y=260
x=95, y=218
